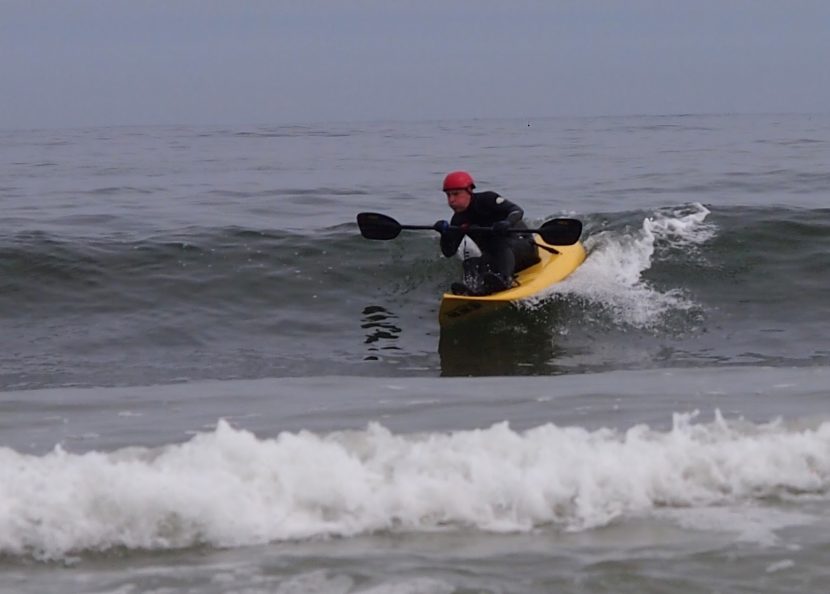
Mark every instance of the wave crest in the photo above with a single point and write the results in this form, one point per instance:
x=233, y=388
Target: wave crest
x=229, y=488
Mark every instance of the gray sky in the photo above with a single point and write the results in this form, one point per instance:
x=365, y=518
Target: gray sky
x=67, y=63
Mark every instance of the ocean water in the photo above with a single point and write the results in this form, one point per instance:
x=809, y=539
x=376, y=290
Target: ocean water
x=209, y=382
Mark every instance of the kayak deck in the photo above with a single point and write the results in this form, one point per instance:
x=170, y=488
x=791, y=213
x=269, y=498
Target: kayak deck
x=551, y=269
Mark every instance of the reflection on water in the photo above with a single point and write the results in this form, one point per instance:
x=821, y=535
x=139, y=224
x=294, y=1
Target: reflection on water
x=381, y=331
x=507, y=342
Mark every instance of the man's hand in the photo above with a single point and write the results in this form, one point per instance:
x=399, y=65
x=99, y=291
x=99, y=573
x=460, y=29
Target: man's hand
x=441, y=226
x=501, y=227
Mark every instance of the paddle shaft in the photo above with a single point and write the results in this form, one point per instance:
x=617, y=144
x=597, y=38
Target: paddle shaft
x=556, y=231
x=420, y=227
x=468, y=229
x=510, y=230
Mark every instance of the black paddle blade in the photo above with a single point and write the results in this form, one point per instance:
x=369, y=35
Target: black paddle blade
x=374, y=225
x=561, y=231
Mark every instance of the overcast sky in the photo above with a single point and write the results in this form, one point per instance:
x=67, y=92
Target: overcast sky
x=66, y=63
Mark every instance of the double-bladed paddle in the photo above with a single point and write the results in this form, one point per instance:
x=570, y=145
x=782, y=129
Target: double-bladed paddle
x=374, y=225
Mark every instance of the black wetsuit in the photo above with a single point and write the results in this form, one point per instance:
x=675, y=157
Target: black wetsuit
x=503, y=254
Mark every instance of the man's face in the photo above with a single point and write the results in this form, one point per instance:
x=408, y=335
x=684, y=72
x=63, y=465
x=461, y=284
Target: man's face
x=458, y=200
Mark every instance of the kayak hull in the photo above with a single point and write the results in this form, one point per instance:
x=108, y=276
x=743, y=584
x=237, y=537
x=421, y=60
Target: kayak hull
x=530, y=282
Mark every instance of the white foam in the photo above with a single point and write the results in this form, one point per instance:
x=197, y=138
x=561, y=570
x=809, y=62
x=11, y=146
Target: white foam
x=748, y=522
x=780, y=565
x=316, y=582
x=612, y=275
x=412, y=586
x=683, y=226
x=228, y=488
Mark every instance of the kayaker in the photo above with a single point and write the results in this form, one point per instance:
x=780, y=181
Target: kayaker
x=503, y=253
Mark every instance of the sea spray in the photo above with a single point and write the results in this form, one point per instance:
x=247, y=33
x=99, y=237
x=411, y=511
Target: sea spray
x=611, y=278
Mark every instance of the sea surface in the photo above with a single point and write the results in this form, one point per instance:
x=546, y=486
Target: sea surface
x=210, y=382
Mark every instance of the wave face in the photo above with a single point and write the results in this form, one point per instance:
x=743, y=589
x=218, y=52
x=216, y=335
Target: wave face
x=689, y=284
x=141, y=254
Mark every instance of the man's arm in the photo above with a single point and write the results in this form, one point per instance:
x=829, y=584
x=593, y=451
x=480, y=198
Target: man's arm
x=450, y=240
x=512, y=213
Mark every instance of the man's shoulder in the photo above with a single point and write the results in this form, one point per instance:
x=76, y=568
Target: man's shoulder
x=487, y=196
x=489, y=200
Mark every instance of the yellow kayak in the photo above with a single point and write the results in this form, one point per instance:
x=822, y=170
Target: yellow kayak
x=551, y=269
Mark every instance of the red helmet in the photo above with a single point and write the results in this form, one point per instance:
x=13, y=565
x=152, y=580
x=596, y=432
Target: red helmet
x=458, y=180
